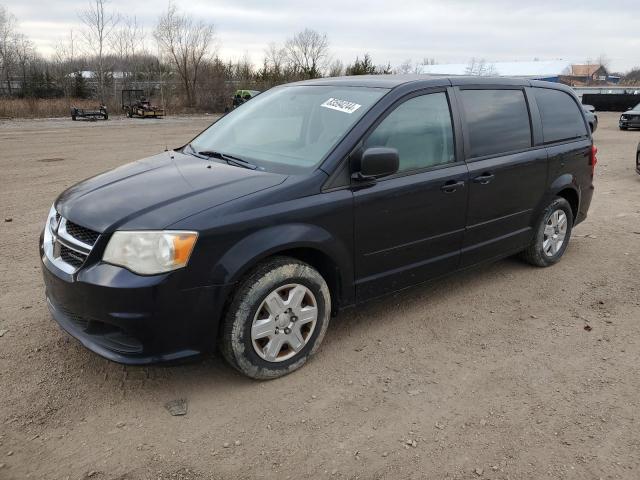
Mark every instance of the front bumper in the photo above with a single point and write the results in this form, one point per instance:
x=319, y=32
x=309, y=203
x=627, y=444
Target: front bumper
x=133, y=319
x=633, y=123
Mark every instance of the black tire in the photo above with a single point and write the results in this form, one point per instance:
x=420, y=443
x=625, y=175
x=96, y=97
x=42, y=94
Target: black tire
x=236, y=343
x=535, y=254
x=73, y=117
x=623, y=128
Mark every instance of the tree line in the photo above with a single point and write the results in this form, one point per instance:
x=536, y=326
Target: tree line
x=176, y=59
x=113, y=51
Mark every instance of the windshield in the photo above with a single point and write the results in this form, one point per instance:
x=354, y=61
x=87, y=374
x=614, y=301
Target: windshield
x=288, y=129
x=637, y=107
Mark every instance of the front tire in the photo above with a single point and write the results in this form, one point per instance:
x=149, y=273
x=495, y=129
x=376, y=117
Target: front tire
x=552, y=235
x=277, y=319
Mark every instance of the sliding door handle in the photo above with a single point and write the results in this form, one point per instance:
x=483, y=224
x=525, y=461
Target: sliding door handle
x=485, y=178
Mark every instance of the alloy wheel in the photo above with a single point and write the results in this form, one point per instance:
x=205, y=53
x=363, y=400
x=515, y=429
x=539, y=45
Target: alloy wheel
x=284, y=322
x=555, y=233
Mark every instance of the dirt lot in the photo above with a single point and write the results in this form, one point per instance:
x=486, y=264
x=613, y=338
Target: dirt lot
x=488, y=374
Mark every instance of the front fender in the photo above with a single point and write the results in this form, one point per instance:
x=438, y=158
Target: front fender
x=249, y=251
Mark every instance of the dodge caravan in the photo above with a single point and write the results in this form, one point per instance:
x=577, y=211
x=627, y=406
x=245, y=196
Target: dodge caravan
x=311, y=198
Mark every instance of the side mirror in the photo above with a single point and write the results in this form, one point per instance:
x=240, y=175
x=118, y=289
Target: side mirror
x=377, y=162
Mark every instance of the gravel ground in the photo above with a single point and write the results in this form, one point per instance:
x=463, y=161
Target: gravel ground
x=487, y=374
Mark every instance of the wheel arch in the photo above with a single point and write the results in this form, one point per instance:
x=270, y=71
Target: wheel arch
x=566, y=187
x=308, y=243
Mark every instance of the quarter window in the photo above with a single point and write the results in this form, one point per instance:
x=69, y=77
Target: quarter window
x=561, y=116
x=421, y=130
x=497, y=121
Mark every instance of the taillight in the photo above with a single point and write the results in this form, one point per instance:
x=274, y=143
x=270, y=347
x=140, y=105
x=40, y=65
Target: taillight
x=593, y=159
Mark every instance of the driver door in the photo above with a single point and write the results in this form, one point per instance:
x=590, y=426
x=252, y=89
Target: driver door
x=409, y=227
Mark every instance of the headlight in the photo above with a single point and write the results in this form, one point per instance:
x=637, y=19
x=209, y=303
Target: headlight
x=50, y=228
x=148, y=253
x=624, y=117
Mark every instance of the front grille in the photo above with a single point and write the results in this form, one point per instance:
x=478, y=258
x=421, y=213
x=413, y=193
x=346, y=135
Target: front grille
x=82, y=234
x=73, y=258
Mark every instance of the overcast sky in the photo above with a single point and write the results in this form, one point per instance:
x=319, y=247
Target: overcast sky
x=451, y=31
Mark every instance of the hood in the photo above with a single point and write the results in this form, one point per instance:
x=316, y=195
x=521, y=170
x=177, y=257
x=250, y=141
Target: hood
x=633, y=111
x=158, y=191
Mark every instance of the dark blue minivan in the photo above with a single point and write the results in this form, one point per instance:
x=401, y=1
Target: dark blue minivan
x=311, y=198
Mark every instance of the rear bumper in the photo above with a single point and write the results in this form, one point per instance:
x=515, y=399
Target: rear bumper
x=585, y=202
x=133, y=319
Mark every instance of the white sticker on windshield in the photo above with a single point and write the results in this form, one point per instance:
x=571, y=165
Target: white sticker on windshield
x=341, y=105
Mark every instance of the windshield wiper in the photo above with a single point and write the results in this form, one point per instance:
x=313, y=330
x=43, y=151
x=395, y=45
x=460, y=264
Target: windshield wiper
x=230, y=159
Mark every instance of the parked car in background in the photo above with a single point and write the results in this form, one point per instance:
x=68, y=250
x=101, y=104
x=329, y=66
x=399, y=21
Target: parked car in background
x=592, y=117
x=312, y=198
x=630, y=118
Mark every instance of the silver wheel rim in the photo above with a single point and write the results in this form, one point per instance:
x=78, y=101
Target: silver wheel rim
x=555, y=233
x=284, y=322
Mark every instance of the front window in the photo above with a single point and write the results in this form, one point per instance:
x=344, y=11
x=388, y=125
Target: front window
x=289, y=129
x=421, y=130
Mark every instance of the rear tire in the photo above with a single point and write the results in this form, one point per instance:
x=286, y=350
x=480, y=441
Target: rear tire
x=277, y=319
x=623, y=128
x=552, y=234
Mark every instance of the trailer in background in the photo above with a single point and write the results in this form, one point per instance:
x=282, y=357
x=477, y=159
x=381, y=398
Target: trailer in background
x=136, y=104
x=95, y=114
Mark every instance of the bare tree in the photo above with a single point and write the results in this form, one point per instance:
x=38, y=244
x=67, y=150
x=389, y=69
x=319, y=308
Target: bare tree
x=127, y=43
x=336, y=69
x=65, y=62
x=275, y=57
x=419, y=68
x=187, y=43
x=406, y=67
x=604, y=61
x=7, y=45
x=100, y=25
x=308, y=52
x=24, y=54
x=480, y=68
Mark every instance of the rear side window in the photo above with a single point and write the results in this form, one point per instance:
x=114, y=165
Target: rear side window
x=497, y=121
x=561, y=117
x=421, y=130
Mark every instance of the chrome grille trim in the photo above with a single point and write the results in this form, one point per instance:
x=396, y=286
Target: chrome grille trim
x=72, y=242
x=55, y=240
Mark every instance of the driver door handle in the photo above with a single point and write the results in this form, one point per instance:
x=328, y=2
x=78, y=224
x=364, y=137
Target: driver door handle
x=485, y=178
x=451, y=186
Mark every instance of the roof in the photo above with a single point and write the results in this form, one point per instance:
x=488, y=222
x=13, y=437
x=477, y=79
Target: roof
x=376, y=81
x=504, y=69
x=92, y=74
x=423, y=81
x=585, y=70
